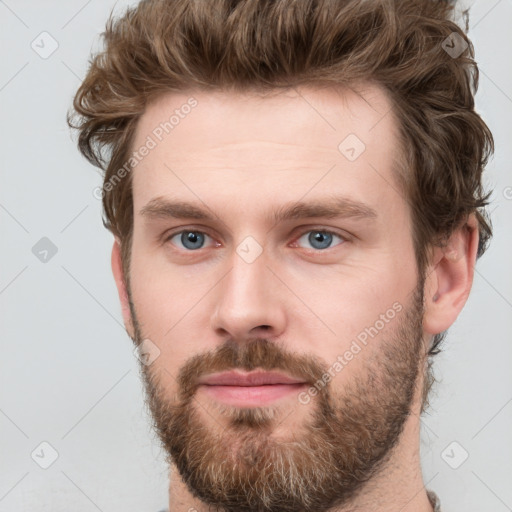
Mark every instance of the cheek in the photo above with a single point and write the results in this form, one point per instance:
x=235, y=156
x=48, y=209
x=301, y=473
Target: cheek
x=158, y=299
x=173, y=307
x=165, y=303
x=352, y=295
x=357, y=309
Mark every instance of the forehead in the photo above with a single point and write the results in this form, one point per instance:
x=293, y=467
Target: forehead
x=278, y=146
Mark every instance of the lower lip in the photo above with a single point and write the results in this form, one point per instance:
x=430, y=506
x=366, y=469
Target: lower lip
x=250, y=396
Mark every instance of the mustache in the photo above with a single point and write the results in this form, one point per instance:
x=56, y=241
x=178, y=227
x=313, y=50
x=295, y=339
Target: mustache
x=259, y=353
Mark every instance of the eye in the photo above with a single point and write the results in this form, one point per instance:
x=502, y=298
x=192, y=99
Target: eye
x=320, y=239
x=190, y=240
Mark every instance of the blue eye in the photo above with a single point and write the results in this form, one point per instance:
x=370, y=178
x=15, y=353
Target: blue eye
x=191, y=240
x=320, y=239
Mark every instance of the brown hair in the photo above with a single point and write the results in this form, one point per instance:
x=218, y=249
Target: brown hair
x=161, y=46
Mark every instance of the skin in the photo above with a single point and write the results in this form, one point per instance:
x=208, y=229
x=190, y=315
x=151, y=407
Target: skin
x=240, y=157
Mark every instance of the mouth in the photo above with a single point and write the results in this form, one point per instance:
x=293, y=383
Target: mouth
x=250, y=389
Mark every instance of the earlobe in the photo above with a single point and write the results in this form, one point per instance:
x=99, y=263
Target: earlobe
x=450, y=277
x=117, y=270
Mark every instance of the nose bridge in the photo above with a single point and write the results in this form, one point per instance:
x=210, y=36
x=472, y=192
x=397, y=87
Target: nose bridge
x=248, y=296
x=248, y=282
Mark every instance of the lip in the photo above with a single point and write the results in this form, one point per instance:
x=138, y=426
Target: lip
x=252, y=396
x=256, y=378
x=250, y=389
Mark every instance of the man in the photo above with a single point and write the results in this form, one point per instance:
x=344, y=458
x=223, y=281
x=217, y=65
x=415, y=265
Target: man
x=295, y=194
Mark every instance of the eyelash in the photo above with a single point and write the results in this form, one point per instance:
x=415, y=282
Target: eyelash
x=344, y=238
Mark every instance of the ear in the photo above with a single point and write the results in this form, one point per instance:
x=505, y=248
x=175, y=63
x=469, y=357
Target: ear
x=449, y=278
x=117, y=270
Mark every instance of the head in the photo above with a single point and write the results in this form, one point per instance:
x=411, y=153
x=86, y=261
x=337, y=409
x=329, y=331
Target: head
x=290, y=189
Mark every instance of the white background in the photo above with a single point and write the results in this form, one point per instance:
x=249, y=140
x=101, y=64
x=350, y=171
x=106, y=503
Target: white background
x=67, y=372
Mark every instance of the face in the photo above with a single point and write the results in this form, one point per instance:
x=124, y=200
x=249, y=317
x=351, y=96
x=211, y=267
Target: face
x=270, y=235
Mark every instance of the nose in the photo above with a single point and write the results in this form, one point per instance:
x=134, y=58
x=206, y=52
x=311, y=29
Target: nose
x=250, y=301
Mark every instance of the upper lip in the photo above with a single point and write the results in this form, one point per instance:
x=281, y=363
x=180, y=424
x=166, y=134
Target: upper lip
x=259, y=378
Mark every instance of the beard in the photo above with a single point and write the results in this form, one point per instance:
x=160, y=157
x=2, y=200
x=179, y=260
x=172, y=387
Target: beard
x=347, y=437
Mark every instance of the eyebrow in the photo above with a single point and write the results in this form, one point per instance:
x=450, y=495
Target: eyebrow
x=330, y=207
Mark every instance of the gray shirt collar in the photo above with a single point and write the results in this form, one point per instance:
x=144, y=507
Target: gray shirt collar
x=434, y=501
